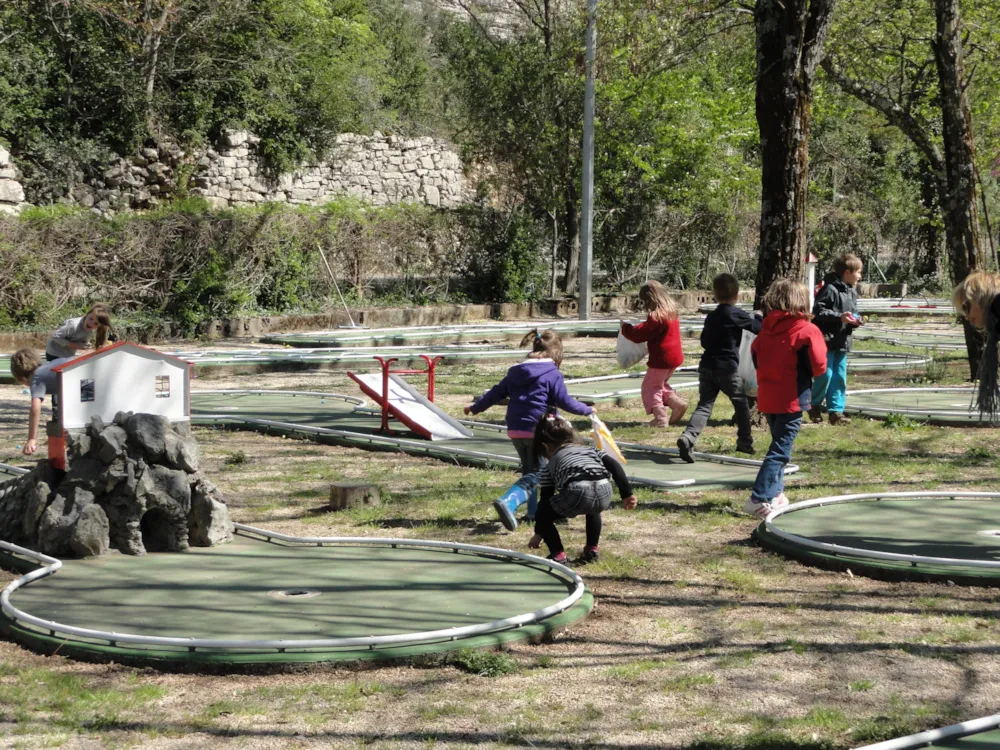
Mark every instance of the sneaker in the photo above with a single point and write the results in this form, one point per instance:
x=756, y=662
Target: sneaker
x=588, y=556
x=837, y=418
x=744, y=448
x=684, y=448
x=559, y=558
x=763, y=509
x=815, y=415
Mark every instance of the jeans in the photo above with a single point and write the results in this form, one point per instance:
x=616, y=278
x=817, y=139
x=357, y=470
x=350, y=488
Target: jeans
x=530, y=463
x=770, y=480
x=710, y=383
x=591, y=500
x=832, y=384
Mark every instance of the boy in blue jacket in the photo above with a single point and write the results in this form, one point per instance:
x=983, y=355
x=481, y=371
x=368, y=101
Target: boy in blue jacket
x=717, y=371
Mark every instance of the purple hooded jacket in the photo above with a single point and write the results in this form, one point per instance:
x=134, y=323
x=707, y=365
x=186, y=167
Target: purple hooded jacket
x=532, y=387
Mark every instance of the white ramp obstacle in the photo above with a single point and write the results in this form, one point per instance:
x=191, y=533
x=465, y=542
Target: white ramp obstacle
x=415, y=411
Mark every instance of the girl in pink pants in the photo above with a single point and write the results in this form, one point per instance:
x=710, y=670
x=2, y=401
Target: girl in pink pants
x=661, y=333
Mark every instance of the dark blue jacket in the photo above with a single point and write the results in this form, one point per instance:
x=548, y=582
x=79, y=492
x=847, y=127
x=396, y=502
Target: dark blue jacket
x=832, y=301
x=721, y=337
x=532, y=387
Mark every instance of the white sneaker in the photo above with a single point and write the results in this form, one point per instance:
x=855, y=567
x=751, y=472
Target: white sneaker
x=763, y=509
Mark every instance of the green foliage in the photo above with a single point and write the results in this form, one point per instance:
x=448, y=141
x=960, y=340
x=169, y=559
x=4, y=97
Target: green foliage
x=504, y=263
x=484, y=663
x=897, y=421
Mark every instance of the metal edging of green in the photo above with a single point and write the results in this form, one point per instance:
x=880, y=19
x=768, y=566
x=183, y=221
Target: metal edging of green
x=936, y=416
x=43, y=634
x=947, y=737
x=872, y=562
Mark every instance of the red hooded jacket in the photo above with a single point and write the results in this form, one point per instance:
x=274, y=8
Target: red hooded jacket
x=788, y=353
x=663, y=340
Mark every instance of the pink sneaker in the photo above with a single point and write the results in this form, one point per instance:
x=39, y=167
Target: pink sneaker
x=763, y=509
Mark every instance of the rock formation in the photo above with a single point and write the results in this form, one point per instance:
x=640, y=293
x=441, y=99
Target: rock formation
x=133, y=486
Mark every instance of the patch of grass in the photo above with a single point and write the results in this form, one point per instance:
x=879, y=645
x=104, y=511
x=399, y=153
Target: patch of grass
x=768, y=739
x=629, y=672
x=896, y=421
x=618, y=565
x=860, y=686
x=236, y=458
x=484, y=663
x=738, y=659
x=433, y=713
x=796, y=646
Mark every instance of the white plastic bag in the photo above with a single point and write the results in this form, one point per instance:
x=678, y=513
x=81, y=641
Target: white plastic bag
x=629, y=353
x=746, y=370
x=603, y=440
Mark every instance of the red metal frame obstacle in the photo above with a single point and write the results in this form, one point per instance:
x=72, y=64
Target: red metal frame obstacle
x=386, y=372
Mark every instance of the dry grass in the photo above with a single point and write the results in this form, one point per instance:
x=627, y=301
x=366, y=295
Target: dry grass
x=698, y=638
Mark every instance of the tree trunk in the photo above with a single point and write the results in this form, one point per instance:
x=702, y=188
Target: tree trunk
x=571, y=221
x=959, y=205
x=790, y=38
x=928, y=253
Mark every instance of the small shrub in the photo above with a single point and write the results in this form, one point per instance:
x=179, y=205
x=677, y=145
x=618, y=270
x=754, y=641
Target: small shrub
x=896, y=421
x=484, y=663
x=236, y=458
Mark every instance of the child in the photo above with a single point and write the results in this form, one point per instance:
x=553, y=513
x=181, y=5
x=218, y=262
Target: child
x=836, y=314
x=74, y=334
x=788, y=353
x=977, y=299
x=576, y=481
x=717, y=371
x=533, y=386
x=662, y=333
x=27, y=368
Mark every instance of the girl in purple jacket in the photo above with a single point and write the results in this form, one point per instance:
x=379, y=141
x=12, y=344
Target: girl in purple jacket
x=533, y=387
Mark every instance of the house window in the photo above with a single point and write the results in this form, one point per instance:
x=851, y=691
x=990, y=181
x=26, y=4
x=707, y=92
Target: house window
x=163, y=386
x=86, y=390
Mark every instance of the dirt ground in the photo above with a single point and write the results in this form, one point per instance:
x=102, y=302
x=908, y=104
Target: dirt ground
x=698, y=639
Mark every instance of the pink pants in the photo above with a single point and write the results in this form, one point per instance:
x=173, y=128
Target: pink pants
x=656, y=391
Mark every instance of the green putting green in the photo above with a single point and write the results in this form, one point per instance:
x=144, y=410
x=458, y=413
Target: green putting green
x=244, y=596
x=334, y=419
x=620, y=388
x=961, y=534
x=935, y=405
x=981, y=741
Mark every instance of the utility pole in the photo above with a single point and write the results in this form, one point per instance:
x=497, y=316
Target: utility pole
x=587, y=217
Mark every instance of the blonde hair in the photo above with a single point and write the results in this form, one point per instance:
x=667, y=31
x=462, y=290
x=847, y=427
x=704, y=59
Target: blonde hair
x=23, y=364
x=545, y=345
x=103, y=314
x=975, y=290
x=790, y=296
x=658, y=303
x=847, y=262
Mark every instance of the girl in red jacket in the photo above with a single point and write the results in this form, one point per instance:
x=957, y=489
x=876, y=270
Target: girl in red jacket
x=662, y=334
x=788, y=353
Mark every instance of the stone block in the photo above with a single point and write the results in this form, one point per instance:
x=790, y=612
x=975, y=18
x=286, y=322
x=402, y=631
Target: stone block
x=149, y=431
x=353, y=494
x=4, y=157
x=11, y=192
x=91, y=535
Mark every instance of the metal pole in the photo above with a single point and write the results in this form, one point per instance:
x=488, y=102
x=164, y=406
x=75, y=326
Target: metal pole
x=587, y=217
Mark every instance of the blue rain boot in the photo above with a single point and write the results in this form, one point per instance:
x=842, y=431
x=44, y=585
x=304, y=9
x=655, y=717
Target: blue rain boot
x=529, y=514
x=521, y=492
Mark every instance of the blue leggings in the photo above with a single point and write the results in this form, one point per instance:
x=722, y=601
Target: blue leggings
x=832, y=384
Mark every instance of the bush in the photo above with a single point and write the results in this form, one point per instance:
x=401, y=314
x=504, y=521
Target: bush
x=186, y=263
x=504, y=260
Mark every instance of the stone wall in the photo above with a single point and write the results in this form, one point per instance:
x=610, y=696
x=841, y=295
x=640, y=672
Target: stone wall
x=378, y=169
x=11, y=192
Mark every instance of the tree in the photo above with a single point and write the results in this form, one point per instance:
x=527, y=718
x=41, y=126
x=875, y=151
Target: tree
x=909, y=65
x=790, y=37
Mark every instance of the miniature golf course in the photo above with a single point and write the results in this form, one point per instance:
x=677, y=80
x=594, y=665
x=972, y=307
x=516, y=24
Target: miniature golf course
x=337, y=419
x=951, y=536
x=266, y=598
x=975, y=734
x=935, y=405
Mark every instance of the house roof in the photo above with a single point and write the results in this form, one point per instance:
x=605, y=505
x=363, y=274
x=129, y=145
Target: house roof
x=129, y=346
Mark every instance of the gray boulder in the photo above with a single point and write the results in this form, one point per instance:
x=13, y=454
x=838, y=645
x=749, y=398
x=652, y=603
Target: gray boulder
x=208, y=523
x=148, y=432
x=111, y=443
x=57, y=521
x=91, y=535
x=181, y=453
x=38, y=498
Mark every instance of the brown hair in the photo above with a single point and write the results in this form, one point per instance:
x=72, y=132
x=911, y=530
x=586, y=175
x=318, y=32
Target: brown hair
x=103, y=315
x=725, y=287
x=847, y=262
x=23, y=364
x=790, y=296
x=552, y=433
x=976, y=290
x=658, y=303
x=545, y=345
